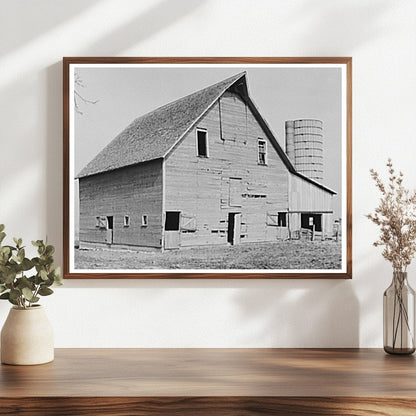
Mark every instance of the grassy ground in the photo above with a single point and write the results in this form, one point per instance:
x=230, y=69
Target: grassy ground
x=274, y=255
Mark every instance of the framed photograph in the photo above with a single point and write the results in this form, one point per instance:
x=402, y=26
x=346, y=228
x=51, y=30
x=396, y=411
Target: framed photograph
x=207, y=167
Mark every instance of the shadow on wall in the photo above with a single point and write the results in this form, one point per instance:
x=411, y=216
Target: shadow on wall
x=301, y=313
x=158, y=17
x=37, y=17
x=336, y=18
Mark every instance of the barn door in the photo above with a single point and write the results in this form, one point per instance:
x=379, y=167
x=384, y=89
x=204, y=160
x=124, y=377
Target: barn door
x=172, y=220
x=109, y=231
x=234, y=228
x=237, y=228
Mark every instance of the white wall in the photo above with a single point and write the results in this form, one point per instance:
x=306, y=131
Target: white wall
x=380, y=35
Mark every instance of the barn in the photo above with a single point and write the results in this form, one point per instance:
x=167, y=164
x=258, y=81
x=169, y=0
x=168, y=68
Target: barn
x=203, y=170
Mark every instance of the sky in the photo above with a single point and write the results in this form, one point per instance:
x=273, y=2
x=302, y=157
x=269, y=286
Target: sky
x=280, y=93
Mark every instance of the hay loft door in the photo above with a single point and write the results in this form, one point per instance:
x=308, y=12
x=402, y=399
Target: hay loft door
x=172, y=221
x=234, y=228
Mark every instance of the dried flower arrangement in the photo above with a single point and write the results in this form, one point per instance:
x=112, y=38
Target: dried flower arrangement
x=396, y=217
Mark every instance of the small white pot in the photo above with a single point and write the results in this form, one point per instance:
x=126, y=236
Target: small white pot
x=27, y=337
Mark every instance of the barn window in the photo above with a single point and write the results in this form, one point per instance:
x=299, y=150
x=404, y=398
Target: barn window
x=188, y=223
x=101, y=222
x=262, y=156
x=172, y=220
x=144, y=221
x=127, y=221
x=202, y=142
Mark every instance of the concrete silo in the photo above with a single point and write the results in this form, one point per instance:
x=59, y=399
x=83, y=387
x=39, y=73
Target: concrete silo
x=304, y=147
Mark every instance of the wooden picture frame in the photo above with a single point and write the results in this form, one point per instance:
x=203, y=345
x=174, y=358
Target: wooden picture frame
x=229, y=173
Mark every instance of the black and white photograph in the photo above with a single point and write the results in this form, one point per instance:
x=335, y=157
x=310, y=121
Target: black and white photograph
x=207, y=168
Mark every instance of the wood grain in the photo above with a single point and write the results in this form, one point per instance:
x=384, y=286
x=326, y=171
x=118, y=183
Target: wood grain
x=207, y=406
x=186, y=175
x=212, y=381
x=134, y=191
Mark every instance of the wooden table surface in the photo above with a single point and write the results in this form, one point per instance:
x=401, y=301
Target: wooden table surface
x=212, y=382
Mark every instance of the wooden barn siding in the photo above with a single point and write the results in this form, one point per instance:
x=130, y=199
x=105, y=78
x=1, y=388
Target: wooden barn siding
x=304, y=196
x=307, y=197
x=199, y=187
x=133, y=191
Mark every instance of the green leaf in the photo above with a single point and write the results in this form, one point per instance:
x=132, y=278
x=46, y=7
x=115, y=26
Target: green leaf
x=5, y=295
x=37, y=243
x=49, y=250
x=28, y=294
x=4, y=255
x=18, y=242
x=56, y=272
x=13, y=302
x=5, y=250
x=21, y=255
x=43, y=274
x=2, y=288
x=58, y=280
x=2, y=227
x=26, y=264
x=15, y=294
x=48, y=282
x=45, y=291
x=25, y=282
x=38, y=280
x=11, y=248
x=2, y=236
x=9, y=277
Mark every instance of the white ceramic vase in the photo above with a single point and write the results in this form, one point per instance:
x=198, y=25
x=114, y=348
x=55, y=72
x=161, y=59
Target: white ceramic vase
x=27, y=337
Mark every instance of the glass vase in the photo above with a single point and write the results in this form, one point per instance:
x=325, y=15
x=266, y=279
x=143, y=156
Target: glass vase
x=399, y=316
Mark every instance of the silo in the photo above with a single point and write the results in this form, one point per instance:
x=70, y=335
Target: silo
x=307, y=146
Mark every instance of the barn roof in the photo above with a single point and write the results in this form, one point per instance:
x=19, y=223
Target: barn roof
x=152, y=135
x=155, y=134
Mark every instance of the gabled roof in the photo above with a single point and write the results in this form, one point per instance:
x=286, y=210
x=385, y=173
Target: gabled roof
x=152, y=135
x=155, y=134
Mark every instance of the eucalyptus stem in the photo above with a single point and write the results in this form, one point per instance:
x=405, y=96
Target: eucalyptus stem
x=23, y=280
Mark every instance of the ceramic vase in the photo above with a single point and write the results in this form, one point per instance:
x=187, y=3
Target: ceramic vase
x=27, y=337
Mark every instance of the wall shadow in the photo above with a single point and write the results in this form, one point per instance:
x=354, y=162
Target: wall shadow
x=315, y=20
x=160, y=16
x=36, y=17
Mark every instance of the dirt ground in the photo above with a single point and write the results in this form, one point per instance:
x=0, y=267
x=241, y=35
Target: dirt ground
x=274, y=255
